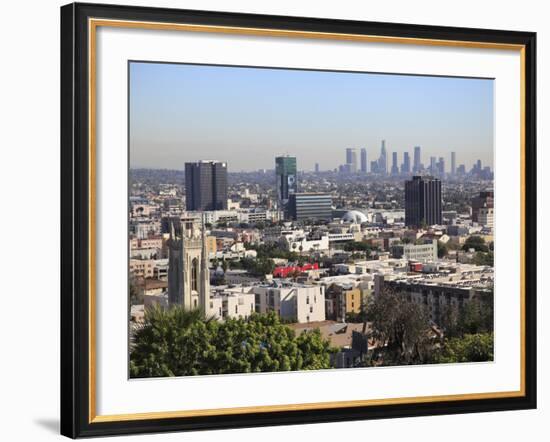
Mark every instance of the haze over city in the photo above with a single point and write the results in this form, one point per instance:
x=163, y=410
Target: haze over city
x=245, y=116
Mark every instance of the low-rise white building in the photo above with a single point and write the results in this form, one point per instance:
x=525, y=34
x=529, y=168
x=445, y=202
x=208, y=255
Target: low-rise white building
x=416, y=252
x=237, y=303
x=294, y=302
x=298, y=241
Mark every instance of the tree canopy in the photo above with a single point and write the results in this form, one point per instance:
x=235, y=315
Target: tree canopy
x=176, y=342
x=258, y=267
x=469, y=348
x=475, y=316
x=442, y=250
x=401, y=328
x=475, y=242
x=269, y=251
x=357, y=246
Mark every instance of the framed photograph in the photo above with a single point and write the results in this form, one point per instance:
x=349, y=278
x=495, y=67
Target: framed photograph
x=273, y=220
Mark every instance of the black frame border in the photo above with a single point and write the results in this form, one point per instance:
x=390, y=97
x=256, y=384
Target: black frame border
x=75, y=219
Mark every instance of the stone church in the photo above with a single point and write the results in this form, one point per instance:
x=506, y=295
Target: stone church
x=188, y=272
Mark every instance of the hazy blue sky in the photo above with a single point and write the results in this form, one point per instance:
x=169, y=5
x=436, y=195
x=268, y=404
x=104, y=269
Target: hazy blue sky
x=247, y=116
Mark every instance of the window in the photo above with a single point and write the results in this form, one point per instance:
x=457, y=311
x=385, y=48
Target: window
x=307, y=300
x=194, y=274
x=236, y=309
x=195, y=303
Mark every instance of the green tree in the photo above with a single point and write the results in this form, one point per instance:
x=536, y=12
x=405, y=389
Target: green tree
x=469, y=348
x=401, y=328
x=484, y=259
x=475, y=242
x=176, y=342
x=258, y=267
x=357, y=246
x=136, y=294
x=265, y=251
x=442, y=250
x=474, y=316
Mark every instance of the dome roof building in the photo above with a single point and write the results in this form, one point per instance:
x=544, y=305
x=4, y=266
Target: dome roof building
x=355, y=216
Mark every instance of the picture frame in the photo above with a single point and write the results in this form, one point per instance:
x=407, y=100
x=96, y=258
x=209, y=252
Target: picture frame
x=80, y=177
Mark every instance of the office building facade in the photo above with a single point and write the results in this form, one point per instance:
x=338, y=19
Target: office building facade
x=206, y=185
x=303, y=206
x=422, y=201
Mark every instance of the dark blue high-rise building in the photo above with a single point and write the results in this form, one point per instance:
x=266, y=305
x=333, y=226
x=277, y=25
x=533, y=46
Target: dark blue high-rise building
x=422, y=201
x=206, y=185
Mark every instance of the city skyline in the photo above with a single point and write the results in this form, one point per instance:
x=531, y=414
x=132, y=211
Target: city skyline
x=182, y=113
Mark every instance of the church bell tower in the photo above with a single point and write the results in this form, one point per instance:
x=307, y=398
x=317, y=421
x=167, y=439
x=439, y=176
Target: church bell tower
x=188, y=272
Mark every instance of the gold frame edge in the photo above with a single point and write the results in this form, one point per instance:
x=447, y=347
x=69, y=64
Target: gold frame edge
x=93, y=23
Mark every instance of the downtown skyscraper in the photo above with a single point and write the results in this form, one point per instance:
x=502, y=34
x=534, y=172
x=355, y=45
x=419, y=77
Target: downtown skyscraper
x=206, y=185
x=383, y=160
x=363, y=160
x=394, y=167
x=422, y=201
x=453, y=163
x=417, y=165
x=433, y=165
x=441, y=166
x=406, y=166
x=351, y=160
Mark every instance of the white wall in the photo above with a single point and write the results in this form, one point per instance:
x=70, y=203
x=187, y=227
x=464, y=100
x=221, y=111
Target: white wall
x=29, y=81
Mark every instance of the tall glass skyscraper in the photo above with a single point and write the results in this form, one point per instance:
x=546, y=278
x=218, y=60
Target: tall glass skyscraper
x=417, y=164
x=394, y=168
x=206, y=185
x=285, y=172
x=351, y=160
x=383, y=160
x=406, y=166
x=363, y=160
x=453, y=163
